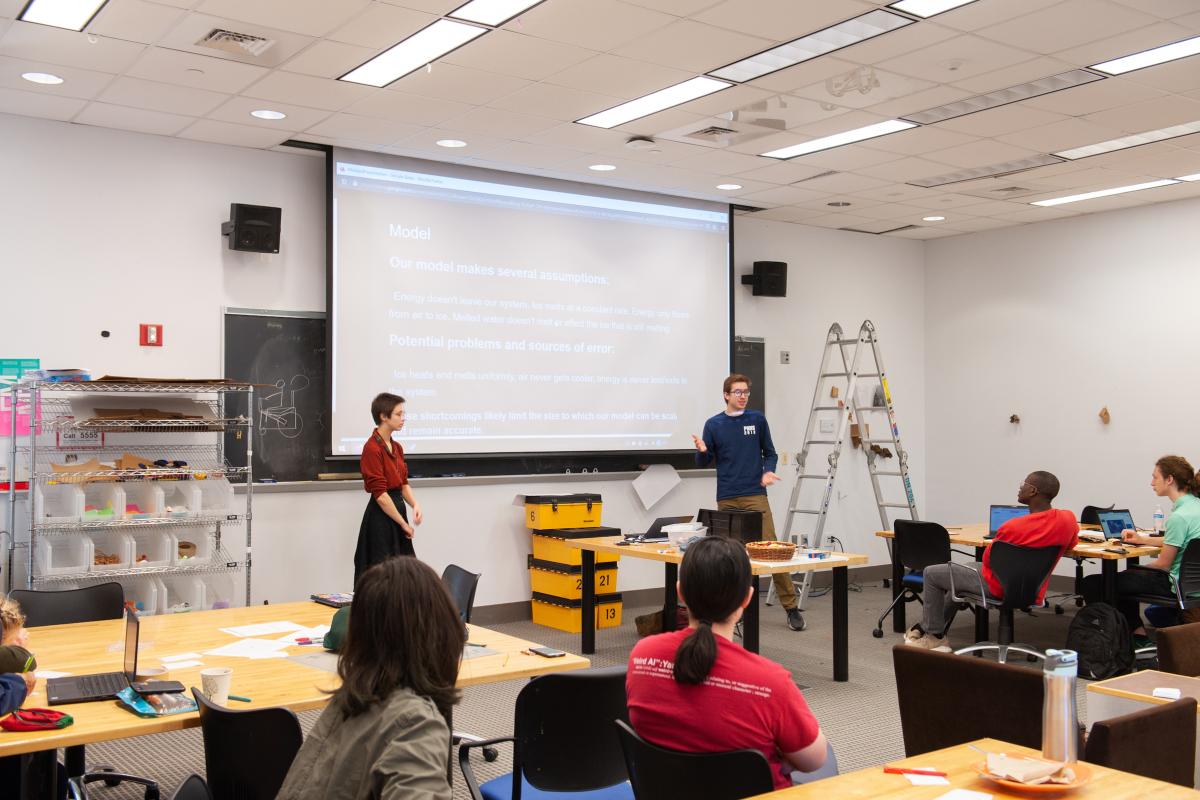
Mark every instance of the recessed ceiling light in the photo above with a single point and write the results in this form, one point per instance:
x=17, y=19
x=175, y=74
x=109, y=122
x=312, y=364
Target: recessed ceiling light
x=44, y=78
x=423, y=47
x=729, y=187
x=451, y=143
x=1195, y=177
x=73, y=15
x=602, y=167
x=655, y=101
x=266, y=113
x=838, y=204
x=933, y=219
x=1148, y=58
x=844, y=34
x=839, y=139
x=1002, y=97
x=492, y=12
x=1075, y=198
x=1133, y=140
x=927, y=8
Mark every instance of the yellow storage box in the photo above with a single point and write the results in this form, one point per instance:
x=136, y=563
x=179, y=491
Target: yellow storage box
x=566, y=581
x=567, y=615
x=551, y=545
x=548, y=511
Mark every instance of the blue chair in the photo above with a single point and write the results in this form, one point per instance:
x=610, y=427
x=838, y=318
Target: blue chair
x=917, y=545
x=565, y=746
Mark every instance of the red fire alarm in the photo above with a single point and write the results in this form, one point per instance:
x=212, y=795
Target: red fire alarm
x=150, y=335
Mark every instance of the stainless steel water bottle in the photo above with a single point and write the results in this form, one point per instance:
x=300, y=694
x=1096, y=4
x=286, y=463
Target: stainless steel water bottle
x=1060, y=717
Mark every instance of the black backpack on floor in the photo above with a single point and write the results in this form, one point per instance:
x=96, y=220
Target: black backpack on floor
x=1100, y=635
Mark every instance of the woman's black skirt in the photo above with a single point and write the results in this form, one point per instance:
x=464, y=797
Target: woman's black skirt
x=379, y=537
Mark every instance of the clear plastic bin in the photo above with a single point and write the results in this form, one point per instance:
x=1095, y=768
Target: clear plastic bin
x=153, y=548
x=180, y=499
x=103, y=501
x=201, y=551
x=216, y=495
x=112, y=545
x=57, y=502
x=143, y=500
x=59, y=555
x=219, y=591
x=142, y=593
x=184, y=593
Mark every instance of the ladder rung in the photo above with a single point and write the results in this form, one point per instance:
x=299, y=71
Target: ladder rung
x=822, y=441
x=816, y=477
x=891, y=475
x=868, y=374
x=894, y=505
x=808, y=511
x=835, y=374
x=871, y=408
x=879, y=441
x=828, y=408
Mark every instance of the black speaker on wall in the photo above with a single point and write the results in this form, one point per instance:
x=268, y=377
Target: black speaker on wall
x=254, y=229
x=769, y=279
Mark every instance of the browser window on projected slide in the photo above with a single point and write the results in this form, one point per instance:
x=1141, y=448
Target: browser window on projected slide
x=518, y=314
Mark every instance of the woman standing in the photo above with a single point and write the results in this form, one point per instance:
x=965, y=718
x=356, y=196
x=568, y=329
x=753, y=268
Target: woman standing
x=385, y=530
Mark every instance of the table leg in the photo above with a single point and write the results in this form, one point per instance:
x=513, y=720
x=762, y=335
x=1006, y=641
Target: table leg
x=588, y=604
x=899, y=622
x=981, y=623
x=670, y=610
x=1108, y=568
x=841, y=623
x=750, y=619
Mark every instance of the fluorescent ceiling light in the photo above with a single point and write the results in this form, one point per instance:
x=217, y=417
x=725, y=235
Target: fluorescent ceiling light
x=44, y=78
x=266, y=113
x=729, y=187
x=602, y=167
x=492, y=12
x=927, y=8
x=423, y=47
x=451, y=143
x=1132, y=140
x=844, y=34
x=655, y=101
x=932, y=219
x=839, y=139
x=1148, y=58
x=1075, y=198
x=990, y=171
x=1002, y=97
x=1195, y=177
x=70, y=14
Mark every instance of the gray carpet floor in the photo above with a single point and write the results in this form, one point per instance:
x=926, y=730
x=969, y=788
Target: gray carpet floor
x=860, y=717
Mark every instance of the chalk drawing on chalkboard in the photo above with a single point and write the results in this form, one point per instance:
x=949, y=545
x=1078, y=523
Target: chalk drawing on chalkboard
x=278, y=411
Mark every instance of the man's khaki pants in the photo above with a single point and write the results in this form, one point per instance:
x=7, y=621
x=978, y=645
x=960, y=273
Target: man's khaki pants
x=758, y=502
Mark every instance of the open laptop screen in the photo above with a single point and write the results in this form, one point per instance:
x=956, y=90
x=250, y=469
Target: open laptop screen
x=131, y=644
x=1113, y=522
x=998, y=515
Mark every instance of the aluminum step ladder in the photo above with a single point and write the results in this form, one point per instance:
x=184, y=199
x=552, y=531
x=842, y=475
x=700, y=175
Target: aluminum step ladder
x=843, y=367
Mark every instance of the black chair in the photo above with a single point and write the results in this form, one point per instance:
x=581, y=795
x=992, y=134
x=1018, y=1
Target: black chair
x=1089, y=516
x=96, y=603
x=1021, y=572
x=917, y=545
x=247, y=754
x=1187, y=587
x=563, y=740
x=462, y=585
x=661, y=774
x=1124, y=742
x=193, y=788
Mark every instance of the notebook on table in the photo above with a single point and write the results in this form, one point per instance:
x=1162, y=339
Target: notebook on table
x=998, y=515
x=101, y=685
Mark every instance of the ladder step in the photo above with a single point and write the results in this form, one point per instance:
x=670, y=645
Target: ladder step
x=868, y=374
x=817, y=477
x=822, y=441
x=891, y=475
x=879, y=441
x=808, y=510
x=894, y=505
x=828, y=408
x=835, y=374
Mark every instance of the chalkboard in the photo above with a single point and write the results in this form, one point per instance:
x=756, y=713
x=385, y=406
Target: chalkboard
x=284, y=354
x=748, y=359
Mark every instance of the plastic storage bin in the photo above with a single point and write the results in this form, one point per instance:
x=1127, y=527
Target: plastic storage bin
x=567, y=615
x=115, y=547
x=143, y=500
x=566, y=581
x=180, y=499
x=57, y=503
x=59, y=555
x=552, y=545
x=216, y=495
x=184, y=593
x=219, y=591
x=544, y=511
x=103, y=501
x=142, y=595
x=200, y=552
x=153, y=548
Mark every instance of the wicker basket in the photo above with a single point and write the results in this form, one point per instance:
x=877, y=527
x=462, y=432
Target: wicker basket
x=771, y=551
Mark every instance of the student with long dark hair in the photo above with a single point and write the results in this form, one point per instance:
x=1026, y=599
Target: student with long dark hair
x=386, y=731
x=385, y=530
x=695, y=690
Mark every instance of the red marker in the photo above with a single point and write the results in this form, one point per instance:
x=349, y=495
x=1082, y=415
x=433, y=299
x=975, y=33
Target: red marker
x=910, y=771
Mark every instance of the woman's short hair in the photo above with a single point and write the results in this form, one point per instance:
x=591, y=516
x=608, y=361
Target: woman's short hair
x=383, y=405
x=404, y=632
x=1177, y=467
x=714, y=579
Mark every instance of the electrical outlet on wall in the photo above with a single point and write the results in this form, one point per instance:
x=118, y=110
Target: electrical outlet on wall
x=785, y=357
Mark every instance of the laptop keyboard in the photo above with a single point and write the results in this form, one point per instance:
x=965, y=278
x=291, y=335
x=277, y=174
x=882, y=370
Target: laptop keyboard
x=103, y=684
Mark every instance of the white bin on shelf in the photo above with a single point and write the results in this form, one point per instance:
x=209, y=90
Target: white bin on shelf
x=112, y=544
x=142, y=593
x=57, y=503
x=201, y=551
x=216, y=495
x=184, y=593
x=103, y=501
x=153, y=548
x=219, y=591
x=59, y=555
x=143, y=499
x=180, y=498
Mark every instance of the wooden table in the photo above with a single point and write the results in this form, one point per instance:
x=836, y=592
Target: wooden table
x=671, y=558
x=974, y=535
x=958, y=762
x=98, y=647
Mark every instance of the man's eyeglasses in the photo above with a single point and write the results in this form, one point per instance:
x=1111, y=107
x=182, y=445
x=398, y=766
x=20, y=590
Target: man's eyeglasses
x=740, y=393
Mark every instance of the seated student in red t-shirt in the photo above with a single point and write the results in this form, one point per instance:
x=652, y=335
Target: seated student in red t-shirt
x=1042, y=527
x=695, y=690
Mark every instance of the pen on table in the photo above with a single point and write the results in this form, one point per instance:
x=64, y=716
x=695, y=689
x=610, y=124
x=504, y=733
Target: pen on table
x=904, y=770
x=475, y=644
x=239, y=697
x=310, y=641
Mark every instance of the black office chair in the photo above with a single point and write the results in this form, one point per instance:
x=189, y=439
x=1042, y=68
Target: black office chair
x=563, y=740
x=96, y=603
x=1187, y=589
x=247, y=754
x=461, y=585
x=1021, y=572
x=917, y=545
x=193, y=788
x=658, y=773
x=1089, y=516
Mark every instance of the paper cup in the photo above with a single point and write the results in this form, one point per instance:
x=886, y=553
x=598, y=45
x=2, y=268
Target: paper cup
x=215, y=683
x=151, y=673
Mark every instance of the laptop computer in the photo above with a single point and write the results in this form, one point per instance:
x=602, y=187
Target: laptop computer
x=654, y=532
x=998, y=515
x=1115, y=521
x=101, y=685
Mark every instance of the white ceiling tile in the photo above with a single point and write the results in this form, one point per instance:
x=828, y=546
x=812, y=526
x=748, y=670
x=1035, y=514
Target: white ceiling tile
x=135, y=20
x=844, y=221
x=851, y=120
x=805, y=74
x=76, y=82
x=896, y=43
x=438, y=7
x=974, y=16
x=207, y=130
x=787, y=214
x=746, y=103
x=1129, y=41
x=783, y=195
x=10, y=8
x=667, y=150
x=925, y=233
x=511, y=53
x=1061, y=135
x=304, y=90
x=691, y=45
x=959, y=57
x=918, y=141
x=1166, y=9
x=1068, y=24
x=1089, y=178
x=1131, y=159
x=847, y=89
x=411, y=109
x=655, y=124
x=1189, y=21
x=1161, y=112
x=363, y=129
x=132, y=119
x=36, y=104
x=1175, y=76
x=424, y=143
x=920, y=101
x=189, y=69
x=381, y=26
x=1002, y=119
x=973, y=224
x=981, y=153
x=946, y=200
x=891, y=211
x=70, y=48
x=1091, y=97
x=1041, y=67
x=529, y=155
x=506, y=124
x=724, y=162
x=845, y=159
x=1039, y=213
x=556, y=102
x=176, y=3
x=460, y=84
x=905, y=169
x=844, y=183
x=580, y=137
x=326, y=59
x=309, y=17
x=989, y=208
x=237, y=110
x=784, y=172
x=619, y=77
x=872, y=225
x=680, y=8
x=138, y=93
x=1190, y=142
x=896, y=193
x=781, y=20
x=595, y=24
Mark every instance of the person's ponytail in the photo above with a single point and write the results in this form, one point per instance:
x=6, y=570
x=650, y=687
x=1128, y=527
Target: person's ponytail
x=714, y=580
x=696, y=655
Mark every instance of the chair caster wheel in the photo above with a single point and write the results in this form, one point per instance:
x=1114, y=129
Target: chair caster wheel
x=877, y=633
x=490, y=754
x=1058, y=609
x=109, y=782
x=1079, y=602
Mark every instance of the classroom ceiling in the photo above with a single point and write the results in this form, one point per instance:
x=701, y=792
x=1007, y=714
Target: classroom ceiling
x=513, y=95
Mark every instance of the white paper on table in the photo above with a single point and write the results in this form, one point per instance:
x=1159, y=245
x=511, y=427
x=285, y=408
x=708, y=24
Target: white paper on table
x=963, y=794
x=276, y=654
x=183, y=664
x=47, y=674
x=180, y=657
x=926, y=780
x=263, y=628
x=248, y=648
x=307, y=633
x=654, y=483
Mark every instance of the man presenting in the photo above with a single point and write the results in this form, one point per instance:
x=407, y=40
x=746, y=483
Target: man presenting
x=740, y=441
